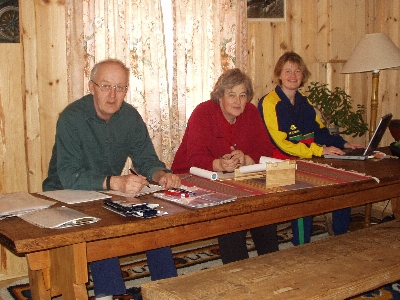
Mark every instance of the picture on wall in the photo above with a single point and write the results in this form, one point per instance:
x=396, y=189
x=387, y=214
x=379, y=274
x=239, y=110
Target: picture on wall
x=9, y=21
x=266, y=10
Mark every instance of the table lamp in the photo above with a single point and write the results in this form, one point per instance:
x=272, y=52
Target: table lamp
x=374, y=52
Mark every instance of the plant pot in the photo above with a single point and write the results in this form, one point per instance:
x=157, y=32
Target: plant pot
x=334, y=130
x=394, y=128
x=395, y=149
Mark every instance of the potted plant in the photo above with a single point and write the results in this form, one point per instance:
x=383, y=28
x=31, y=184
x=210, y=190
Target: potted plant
x=336, y=109
x=394, y=128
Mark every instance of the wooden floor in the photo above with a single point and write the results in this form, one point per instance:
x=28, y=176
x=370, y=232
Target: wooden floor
x=353, y=226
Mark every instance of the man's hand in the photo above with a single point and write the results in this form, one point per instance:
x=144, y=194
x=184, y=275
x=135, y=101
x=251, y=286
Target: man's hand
x=167, y=180
x=129, y=184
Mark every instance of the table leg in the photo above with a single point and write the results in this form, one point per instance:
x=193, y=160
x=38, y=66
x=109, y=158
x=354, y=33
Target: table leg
x=368, y=210
x=61, y=271
x=38, y=272
x=396, y=207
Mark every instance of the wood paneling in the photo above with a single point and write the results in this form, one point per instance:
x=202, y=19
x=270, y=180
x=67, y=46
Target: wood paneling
x=325, y=33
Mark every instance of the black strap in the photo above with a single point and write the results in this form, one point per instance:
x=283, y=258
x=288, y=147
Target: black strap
x=108, y=185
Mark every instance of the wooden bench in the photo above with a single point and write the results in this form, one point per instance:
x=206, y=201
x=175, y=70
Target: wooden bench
x=333, y=268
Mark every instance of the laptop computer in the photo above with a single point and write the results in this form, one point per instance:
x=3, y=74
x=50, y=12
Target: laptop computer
x=361, y=153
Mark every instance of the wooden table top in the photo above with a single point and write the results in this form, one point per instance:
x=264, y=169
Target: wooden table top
x=21, y=237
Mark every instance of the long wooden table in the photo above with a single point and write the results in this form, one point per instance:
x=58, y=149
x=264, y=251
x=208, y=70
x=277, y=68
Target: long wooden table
x=57, y=259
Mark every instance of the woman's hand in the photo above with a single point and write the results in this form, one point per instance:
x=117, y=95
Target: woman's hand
x=332, y=151
x=353, y=146
x=239, y=155
x=231, y=161
x=227, y=163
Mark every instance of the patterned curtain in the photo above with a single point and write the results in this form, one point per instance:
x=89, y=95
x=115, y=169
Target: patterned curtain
x=132, y=32
x=96, y=29
x=209, y=37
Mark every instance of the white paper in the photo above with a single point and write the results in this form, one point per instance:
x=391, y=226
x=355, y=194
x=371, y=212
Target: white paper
x=266, y=159
x=204, y=173
x=74, y=196
x=21, y=202
x=58, y=217
x=145, y=190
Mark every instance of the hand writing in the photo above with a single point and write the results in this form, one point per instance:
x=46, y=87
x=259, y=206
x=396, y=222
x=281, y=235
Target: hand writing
x=130, y=184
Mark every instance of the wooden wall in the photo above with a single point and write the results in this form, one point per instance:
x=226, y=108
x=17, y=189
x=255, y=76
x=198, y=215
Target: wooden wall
x=33, y=79
x=324, y=33
x=33, y=89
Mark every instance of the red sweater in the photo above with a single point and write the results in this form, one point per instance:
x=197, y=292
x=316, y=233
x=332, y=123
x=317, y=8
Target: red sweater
x=209, y=136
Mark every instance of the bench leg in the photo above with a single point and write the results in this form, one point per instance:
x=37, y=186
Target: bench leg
x=368, y=210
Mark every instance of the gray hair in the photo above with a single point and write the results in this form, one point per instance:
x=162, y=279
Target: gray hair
x=228, y=80
x=97, y=66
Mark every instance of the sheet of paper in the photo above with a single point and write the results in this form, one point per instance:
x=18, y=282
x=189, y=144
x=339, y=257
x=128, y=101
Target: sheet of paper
x=58, y=217
x=21, y=202
x=74, y=196
x=145, y=190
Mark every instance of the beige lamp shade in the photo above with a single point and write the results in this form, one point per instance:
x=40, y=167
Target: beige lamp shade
x=374, y=52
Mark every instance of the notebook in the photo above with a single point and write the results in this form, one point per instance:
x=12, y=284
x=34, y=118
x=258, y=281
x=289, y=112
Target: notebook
x=58, y=217
x=195, y=197
x=361, y=153
x=15, y=204
x=74, y=196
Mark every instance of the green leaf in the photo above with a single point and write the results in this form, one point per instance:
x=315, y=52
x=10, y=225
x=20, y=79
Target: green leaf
x=336, y=107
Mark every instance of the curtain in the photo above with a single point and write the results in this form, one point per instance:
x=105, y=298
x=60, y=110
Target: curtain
x=96, y=29
x=132, y=32
x=209, y=37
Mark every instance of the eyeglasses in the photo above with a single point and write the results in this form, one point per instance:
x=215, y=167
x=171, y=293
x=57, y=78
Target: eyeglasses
x=107, y=87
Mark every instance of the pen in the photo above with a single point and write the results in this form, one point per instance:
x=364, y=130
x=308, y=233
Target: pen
x=134, y=173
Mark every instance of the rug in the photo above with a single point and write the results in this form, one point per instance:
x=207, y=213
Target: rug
x=194, y=258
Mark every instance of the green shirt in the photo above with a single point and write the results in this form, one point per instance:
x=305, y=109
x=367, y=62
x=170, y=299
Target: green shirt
x=87, y=148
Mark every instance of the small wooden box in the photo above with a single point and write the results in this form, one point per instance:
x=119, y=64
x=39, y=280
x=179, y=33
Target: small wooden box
x=280, y=173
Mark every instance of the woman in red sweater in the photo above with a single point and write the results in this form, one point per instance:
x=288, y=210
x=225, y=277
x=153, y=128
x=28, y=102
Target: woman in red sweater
x=223, y=134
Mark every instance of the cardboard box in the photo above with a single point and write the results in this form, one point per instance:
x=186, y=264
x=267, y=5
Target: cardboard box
x=280, y=173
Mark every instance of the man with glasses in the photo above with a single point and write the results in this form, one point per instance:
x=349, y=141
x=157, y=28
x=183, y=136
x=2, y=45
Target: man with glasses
x=94, y=137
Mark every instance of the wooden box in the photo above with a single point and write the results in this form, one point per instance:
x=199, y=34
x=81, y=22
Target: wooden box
x=280, y=173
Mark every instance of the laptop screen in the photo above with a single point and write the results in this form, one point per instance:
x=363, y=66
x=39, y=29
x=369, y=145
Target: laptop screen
x=378, y=134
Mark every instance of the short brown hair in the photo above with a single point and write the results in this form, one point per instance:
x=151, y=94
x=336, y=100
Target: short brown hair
x=294, y=58
x=228, y=80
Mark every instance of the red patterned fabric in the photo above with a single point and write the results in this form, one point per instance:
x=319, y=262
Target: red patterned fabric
x=308, y=175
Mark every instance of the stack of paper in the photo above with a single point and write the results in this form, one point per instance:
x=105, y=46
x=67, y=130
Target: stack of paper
x=15, y=204
x=74, y=196
x=58, y=217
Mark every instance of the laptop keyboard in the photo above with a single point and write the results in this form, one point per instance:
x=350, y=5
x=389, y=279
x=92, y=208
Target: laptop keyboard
x=355, y=152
